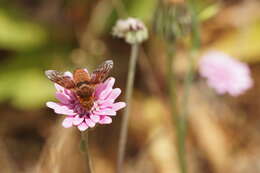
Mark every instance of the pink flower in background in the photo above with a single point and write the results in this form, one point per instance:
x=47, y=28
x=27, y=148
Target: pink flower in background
x=102, y=111
x=225, y=74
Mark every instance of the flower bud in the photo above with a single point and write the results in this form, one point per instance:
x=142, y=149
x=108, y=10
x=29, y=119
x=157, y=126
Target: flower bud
x=172, y=21
x=132, y=30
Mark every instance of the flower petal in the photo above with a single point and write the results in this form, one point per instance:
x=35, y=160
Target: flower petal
x=68, y=73
x=99, y=89
x=62, y=98
x=77, y=120
x=105, y=120
x=67, y=122
x=90, y=123
x=104, y=94
x=86, y=70
x=83, y=126
x=114, y=94
x=109, y=83
x=106, y=104
x=94, y=118
x=119, y=105
x=106, y=112
x=70, y=94
x=59, y=88
x=60, y=109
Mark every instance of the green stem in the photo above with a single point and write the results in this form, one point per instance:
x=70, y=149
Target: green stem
x=195, y=28
x=179, y=121
x=182, y=122
x=182, y=118
x=85, y=151
x=195, y=40
x=129, y=91
x=171, y=79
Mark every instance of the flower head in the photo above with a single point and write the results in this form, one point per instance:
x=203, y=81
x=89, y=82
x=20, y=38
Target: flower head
x=76, y=115
x=131, y=29
x=225, y=74
x=172, y=20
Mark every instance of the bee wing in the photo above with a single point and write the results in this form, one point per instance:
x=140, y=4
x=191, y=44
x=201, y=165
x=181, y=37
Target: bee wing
x=60, y=78
x=101, y=72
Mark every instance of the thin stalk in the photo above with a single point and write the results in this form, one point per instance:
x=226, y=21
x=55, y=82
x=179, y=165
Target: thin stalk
x=182, y=125
x=195, y=41
x=129, y=91
x=171, y=80
x=182, y=118
x=195, y=28
x=85, y=151
x=177, y=119
x=187, y=84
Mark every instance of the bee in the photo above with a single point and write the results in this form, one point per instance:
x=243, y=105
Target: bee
x=83, y=83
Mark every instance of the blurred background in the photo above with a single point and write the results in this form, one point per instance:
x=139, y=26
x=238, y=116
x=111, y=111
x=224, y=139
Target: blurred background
x=36, y=35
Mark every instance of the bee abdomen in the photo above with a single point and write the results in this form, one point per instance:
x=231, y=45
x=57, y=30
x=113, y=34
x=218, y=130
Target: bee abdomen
x=87, y=103
x=85, y=91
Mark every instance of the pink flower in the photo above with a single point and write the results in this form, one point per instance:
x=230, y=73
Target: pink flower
x=225, y=74
x=102, y=111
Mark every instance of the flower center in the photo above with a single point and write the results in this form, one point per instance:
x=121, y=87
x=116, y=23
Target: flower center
x=82, y=111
